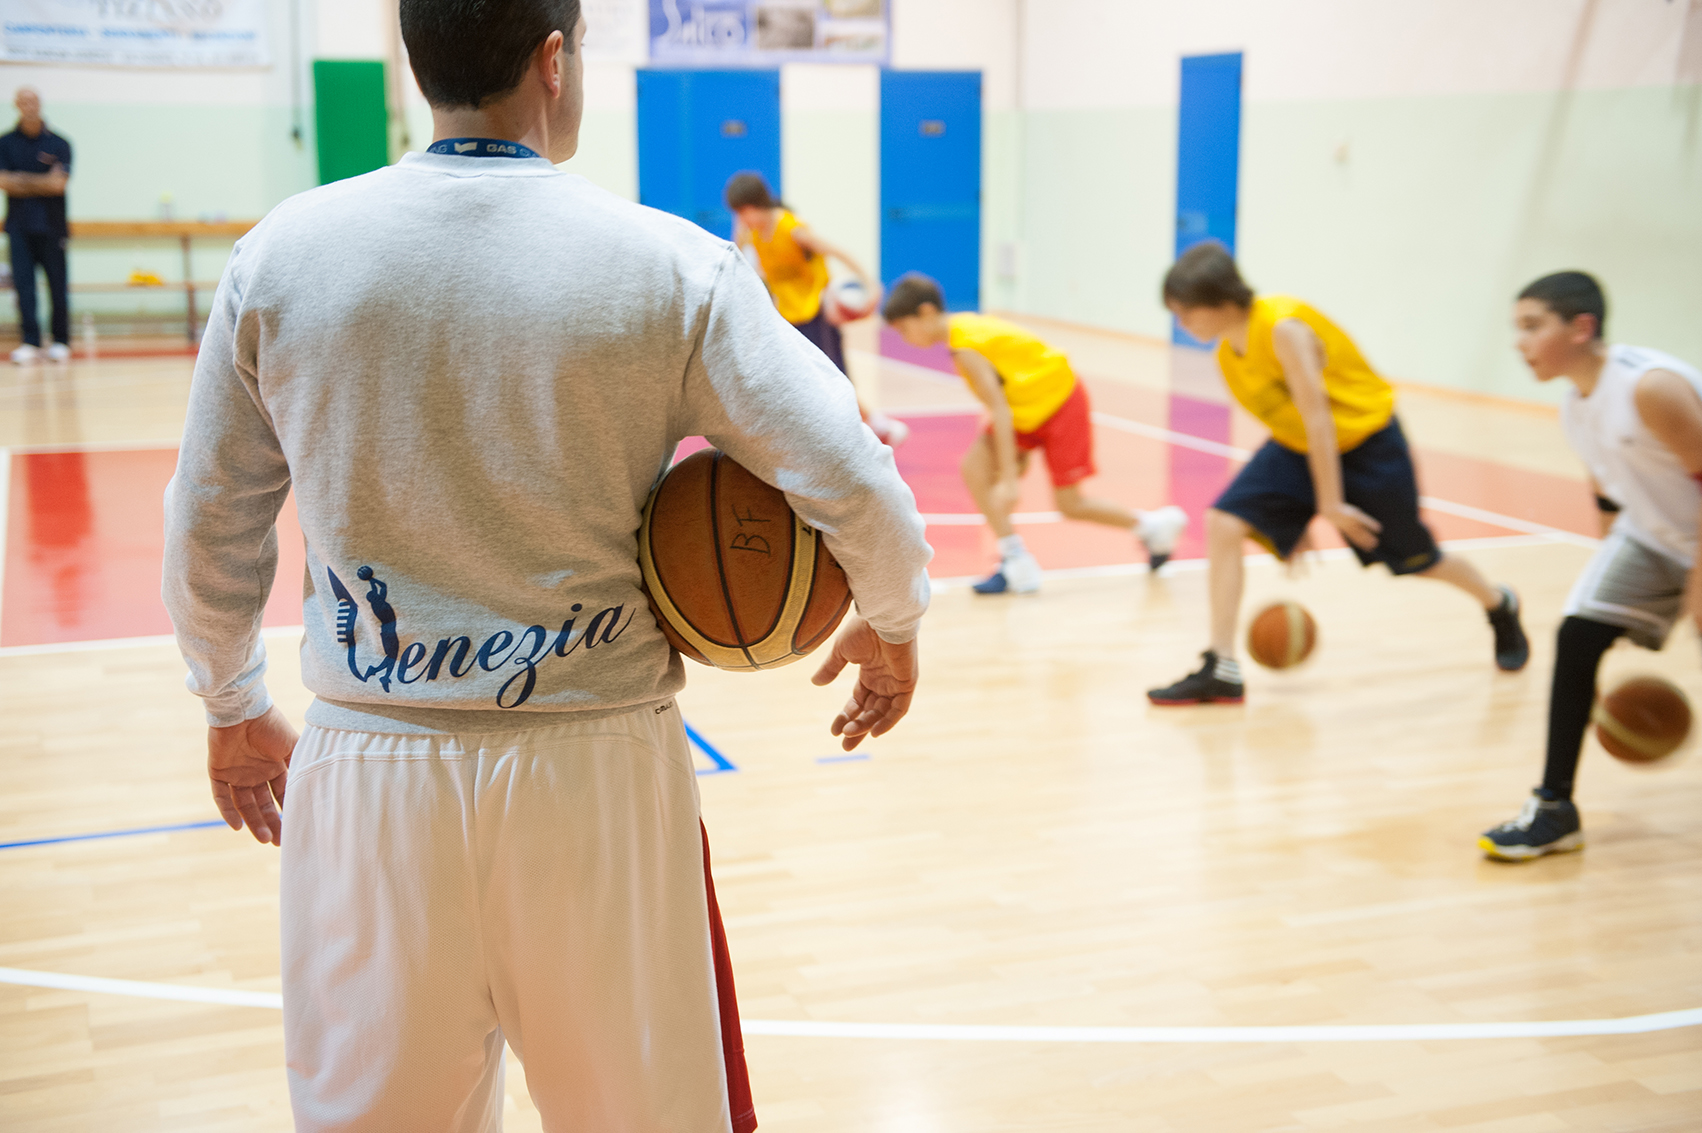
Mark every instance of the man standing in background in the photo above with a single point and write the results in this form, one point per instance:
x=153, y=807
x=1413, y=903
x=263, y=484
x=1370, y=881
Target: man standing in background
x=35, y=163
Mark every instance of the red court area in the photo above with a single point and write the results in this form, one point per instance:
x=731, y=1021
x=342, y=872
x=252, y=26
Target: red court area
x=84, y=537
x=84, y=528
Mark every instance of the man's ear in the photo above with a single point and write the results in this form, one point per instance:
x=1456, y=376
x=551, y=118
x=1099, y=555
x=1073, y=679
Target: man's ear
x=548, y=60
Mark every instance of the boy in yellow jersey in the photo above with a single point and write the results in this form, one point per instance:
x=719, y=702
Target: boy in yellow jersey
x=792, y=260
x=1336, y=449
x=1034, y=401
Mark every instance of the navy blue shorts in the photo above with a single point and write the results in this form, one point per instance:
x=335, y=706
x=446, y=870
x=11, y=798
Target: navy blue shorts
x=826, y=337
x=1273, y=494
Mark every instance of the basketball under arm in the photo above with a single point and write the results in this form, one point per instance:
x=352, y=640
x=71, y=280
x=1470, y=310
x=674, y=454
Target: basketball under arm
x=762, y=393
x=221, y=507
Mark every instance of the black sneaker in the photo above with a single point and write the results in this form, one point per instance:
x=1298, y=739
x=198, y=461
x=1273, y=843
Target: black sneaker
x=1512, y=649
x=1202, y=687
x=1547, y=825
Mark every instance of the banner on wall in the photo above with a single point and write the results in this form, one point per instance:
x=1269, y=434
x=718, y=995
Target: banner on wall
x=135, y=33
x=616, y=31
x=764, y=33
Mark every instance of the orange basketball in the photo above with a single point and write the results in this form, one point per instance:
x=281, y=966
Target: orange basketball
x=1281, y=635
x=1642, y=720
x=736, y=580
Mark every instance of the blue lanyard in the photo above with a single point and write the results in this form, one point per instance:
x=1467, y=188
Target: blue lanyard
x=480, y=147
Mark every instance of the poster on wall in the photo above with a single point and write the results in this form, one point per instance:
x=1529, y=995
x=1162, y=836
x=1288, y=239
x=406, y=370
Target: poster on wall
x=616, y=31
x=135, y=33
x=764, y=33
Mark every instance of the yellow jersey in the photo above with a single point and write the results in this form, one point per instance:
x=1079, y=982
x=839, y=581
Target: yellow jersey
x=1037, y=379
x=796, y=278
x=1361, y=402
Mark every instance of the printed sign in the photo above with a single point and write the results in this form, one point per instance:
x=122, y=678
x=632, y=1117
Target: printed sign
x=616, y=31
x=764, y=33
x=135, y=33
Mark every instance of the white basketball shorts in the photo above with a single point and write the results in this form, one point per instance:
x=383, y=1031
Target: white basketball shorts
x=444, y=893
x=1634, y=587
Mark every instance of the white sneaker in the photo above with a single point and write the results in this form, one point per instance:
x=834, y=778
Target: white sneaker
x=1158, y=532
x=892, y=432
x=1022, y=573
x=59, y=352
x=24, y=355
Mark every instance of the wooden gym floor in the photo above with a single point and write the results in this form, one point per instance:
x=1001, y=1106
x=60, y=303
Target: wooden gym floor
x=1149, y=890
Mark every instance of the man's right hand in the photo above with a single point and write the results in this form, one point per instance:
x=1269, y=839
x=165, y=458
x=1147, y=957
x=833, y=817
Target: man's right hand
x=1356, y=527
x=248, y=764
x=886, y=680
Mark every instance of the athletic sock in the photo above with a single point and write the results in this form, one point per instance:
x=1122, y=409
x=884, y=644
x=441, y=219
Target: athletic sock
x=1011, y=546
x=1577, y=655
x=1228, y=669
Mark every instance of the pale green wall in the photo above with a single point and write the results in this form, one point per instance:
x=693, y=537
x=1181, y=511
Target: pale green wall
x=237, y=161
x=608, y=151
x=1097, y=189
x=1415, y=237
x=1445, y=207
x=830, y=173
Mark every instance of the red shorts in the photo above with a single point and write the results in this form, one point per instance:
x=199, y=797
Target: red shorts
x=1067, y=437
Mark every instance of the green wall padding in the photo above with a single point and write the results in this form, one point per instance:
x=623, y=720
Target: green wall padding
x=350, y=118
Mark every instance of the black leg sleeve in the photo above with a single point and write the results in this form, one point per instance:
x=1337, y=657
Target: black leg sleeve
x=1577, y=655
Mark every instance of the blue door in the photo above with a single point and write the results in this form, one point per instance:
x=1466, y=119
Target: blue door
x=698, y=128
x=931, y=180
x=1208, y=154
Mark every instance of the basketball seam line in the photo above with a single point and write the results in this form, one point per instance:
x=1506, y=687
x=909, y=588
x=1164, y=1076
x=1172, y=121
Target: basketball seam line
x=720, y=563
x=1605, y=720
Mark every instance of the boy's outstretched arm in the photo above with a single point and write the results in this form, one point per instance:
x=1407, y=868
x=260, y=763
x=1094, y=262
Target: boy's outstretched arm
x=1301, y=355
x=1670, y=407
x=989, y=391
x=810, y=242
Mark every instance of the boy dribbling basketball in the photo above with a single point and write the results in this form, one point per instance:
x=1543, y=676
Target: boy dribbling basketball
x=792, y=259
x=1635, y=417
x=1034, y=401
x=1336, y=450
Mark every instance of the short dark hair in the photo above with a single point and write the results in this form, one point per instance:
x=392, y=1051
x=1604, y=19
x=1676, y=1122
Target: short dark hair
x=750, y=190
x=907, y=296
x=1570, y=294
x=470, y=52
x=1206, y=276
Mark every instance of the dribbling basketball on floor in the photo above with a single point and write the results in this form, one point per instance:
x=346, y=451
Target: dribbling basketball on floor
x=1336, y=450
x=1034, y=401
x=1635, y=417
x=471, y=368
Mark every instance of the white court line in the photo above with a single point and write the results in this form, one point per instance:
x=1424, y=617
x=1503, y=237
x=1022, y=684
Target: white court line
x=1233, y=452
x=976, y=519
x=946, y=1032
x=97, y=446
x=222, y=996
x=123, y=642
x=1256, y=558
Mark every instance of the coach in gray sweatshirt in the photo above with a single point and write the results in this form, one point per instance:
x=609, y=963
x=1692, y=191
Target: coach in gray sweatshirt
x=471, y=368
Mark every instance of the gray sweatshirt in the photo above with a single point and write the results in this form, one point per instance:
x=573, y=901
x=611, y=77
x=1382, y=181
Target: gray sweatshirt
x=471, y=371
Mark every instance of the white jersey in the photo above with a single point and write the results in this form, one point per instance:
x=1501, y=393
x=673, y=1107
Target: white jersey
x=1659, y=500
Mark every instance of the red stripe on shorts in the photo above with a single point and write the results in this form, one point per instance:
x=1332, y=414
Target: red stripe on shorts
x=732, y=1036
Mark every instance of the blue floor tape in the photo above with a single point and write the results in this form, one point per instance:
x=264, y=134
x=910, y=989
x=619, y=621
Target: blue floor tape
x=722, y=763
